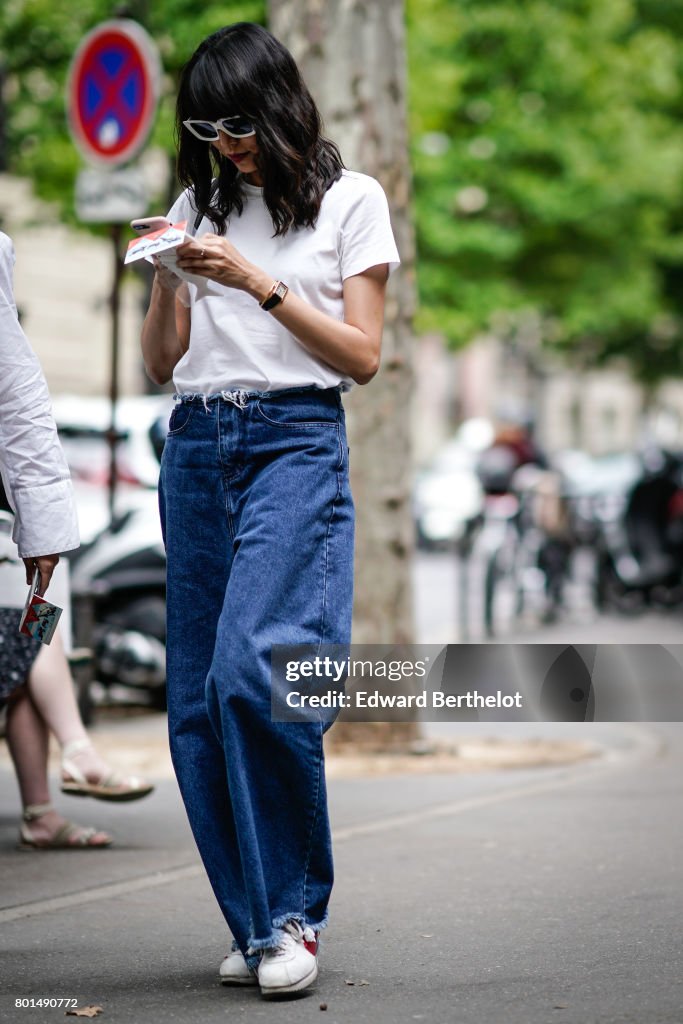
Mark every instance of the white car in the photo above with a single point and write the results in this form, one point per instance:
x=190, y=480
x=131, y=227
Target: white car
x=447, y=496
x=83, y=424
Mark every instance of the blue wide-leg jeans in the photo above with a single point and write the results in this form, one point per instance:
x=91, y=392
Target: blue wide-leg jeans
x=257, y=519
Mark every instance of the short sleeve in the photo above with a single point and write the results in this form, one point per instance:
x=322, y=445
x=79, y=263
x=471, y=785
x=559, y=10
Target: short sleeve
x=367, y=238
x=182, y=209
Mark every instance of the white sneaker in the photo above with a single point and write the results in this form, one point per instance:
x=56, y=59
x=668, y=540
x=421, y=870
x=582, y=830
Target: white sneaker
x=234, y=970
x=293, y=965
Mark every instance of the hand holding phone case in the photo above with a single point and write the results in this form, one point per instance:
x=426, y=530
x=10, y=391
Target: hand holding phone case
x=40, y=617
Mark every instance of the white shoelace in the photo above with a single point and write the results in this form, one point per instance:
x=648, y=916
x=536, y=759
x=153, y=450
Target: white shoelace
x=294, y=933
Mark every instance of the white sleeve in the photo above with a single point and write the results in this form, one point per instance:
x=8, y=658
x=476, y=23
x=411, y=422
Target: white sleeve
x=32, y=463
x=366, y=235
x=182, y=209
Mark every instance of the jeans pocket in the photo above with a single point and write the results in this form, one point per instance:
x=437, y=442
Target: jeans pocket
x=301, y=411
x=180, y=418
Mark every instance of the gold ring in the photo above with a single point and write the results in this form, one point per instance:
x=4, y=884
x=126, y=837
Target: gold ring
x=202, y=254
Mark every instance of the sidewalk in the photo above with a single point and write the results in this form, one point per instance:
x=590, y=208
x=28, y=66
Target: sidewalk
x=135, y=929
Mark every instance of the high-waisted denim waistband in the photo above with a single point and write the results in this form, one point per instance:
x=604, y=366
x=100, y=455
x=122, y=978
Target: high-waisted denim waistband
x=240, y=396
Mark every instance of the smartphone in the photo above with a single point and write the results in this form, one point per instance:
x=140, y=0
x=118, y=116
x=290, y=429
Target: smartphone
x=143, y=225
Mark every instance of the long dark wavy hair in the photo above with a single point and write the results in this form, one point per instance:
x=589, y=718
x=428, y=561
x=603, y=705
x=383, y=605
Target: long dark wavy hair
x=243, y=69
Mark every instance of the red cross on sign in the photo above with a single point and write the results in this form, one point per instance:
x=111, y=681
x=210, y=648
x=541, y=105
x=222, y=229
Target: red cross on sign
x=112, y=92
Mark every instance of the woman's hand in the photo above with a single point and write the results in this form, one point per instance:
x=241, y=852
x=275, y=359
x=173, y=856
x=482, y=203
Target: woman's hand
x=45, y=565
x=217, y=258
x=170, y=282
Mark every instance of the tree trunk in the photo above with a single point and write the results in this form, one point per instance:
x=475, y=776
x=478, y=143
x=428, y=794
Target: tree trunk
x=352, y=56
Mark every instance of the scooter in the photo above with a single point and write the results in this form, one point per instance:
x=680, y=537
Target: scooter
x=639, y=552
x=118, y=585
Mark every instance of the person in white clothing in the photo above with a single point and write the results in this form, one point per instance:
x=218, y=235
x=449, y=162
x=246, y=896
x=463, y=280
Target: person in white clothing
x=281, y=312
x=35, y=681
x=32, y=464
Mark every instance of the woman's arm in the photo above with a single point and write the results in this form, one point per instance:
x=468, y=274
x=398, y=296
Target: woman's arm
x=351, y=346
x=165, y=332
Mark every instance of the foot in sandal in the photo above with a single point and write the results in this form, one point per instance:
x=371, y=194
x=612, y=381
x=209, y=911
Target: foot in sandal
x=85, y=774
x=43, y=829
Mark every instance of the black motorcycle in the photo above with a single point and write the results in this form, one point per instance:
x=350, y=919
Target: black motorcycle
x=118, y=587
x=639, y=545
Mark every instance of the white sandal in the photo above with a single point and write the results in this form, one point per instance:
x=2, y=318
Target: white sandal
x=111, y=787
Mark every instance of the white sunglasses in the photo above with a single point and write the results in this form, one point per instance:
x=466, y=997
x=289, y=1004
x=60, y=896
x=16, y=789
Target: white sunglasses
x=236, y=127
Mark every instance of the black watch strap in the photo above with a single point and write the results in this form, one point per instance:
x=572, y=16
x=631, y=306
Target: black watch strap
x=275, y=297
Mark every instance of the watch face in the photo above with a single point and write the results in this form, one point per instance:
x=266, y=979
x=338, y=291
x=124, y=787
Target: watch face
x=277, y=296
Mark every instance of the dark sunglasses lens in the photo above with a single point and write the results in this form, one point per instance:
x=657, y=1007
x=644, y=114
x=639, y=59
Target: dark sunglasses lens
x=204, y=129
x=237, y=126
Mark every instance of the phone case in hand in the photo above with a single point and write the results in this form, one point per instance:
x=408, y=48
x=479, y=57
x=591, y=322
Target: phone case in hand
x=40, y=617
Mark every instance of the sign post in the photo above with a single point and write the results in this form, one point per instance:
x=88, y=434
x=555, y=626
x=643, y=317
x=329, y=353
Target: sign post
x=111, y=101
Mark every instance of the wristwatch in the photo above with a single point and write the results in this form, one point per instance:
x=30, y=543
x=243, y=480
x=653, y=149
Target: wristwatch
x=274, y=296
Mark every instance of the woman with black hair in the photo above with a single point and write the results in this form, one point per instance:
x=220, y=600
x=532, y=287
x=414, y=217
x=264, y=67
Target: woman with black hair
x=284, y=312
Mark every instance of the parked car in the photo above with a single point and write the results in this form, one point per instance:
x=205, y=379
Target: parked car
x=83, y=424
x=447, y=495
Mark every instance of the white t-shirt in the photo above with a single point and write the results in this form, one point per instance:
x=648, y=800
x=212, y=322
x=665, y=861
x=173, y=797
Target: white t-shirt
x=234, y=344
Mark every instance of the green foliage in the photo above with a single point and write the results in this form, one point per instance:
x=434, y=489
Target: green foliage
x=38, y=39
x=548, y=161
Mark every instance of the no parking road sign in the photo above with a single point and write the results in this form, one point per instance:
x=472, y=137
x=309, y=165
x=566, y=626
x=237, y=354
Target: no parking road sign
x=112, y=92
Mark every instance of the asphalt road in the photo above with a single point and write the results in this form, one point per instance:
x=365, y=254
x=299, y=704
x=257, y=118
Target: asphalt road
x=519, y=897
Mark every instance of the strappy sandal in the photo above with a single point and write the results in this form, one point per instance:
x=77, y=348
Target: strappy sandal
x=68, y=837
x=112, y=787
